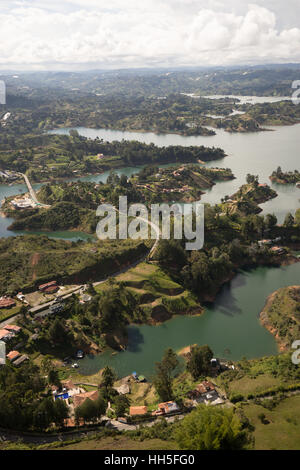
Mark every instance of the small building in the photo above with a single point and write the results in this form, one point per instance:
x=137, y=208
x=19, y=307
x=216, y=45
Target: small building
x=7, y=302
x=6, y=335
x=20, y=360
x=167, y=407
x=12, y=355
x=278, y=250
x=49, y=285
x=264, y=242
x=81, y=397
x=14, y=328
x=138, y=410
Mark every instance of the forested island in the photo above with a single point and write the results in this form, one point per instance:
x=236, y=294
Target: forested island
x=288, y=177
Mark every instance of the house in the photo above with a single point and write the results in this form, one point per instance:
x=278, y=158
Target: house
x=138, y=410
x=21, y=297
x=264, y=242
x=278, y=250
x=81, y=397
x=7, y=302
x=6, y=335
x=13, y=328
x=205, y=387
x=49, y=287
x=201, y=392
x=166, y=407
x=67, y=390
x=13, y=355
x=20, y=360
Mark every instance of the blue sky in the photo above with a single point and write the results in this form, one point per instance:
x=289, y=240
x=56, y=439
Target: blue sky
x=84, y=34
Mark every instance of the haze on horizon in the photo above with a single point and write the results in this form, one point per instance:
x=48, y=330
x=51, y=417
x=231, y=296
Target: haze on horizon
x=90, y=34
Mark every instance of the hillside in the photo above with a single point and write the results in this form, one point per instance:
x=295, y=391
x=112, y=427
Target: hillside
x=281, y=316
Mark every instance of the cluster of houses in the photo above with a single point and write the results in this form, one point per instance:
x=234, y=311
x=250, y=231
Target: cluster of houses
x=277, y=250
x=7, y=333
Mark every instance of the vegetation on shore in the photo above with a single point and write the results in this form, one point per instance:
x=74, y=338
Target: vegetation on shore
x=289, y=177
x=281, y=316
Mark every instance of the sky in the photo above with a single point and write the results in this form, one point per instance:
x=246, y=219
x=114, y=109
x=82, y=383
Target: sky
x=108, y=34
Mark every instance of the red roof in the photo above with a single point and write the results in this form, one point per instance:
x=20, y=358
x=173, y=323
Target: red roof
x=13, y=355
x=81, y=397
x=6, y=302
x=13, y=328
x=50, y=289
x=48, y=284
x=4, y=333
x=138, y=410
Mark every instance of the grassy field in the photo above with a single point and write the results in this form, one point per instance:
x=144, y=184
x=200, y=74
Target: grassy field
x=282, y=428
x=103, y=443
x=248, y=385
x=6, y=313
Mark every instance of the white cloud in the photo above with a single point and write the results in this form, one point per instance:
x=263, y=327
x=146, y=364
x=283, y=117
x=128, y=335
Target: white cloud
x=48, y=34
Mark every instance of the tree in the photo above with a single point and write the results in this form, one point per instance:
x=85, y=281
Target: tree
x=57, y=332
x=199, y=361
x=90, y=410
x=211, y=428
x=270, y=221
x=53, y=378
x=122, y=404
x=108, y=377
x=171, y=254
x=164, y=372
x=106, y=385
x=289, y=220
x=61, y=412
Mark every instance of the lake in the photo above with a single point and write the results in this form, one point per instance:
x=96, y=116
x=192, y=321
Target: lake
x=256, y=153
x=230, y=326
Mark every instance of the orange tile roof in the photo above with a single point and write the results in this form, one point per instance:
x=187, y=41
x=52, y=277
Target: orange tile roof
x=81, y=397
x=12, y=328
x=12, y=355
x=6, y=302
x=138, y=410
x=3, y=333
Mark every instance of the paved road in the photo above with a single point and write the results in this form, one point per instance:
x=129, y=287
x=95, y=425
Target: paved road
x=32, y=192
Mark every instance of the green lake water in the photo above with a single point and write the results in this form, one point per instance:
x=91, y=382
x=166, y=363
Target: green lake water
x=230, y=326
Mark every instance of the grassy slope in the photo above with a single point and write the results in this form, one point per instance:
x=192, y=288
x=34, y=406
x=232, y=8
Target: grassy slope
x=27, y=261
x=159, y=296
x=283, y=430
